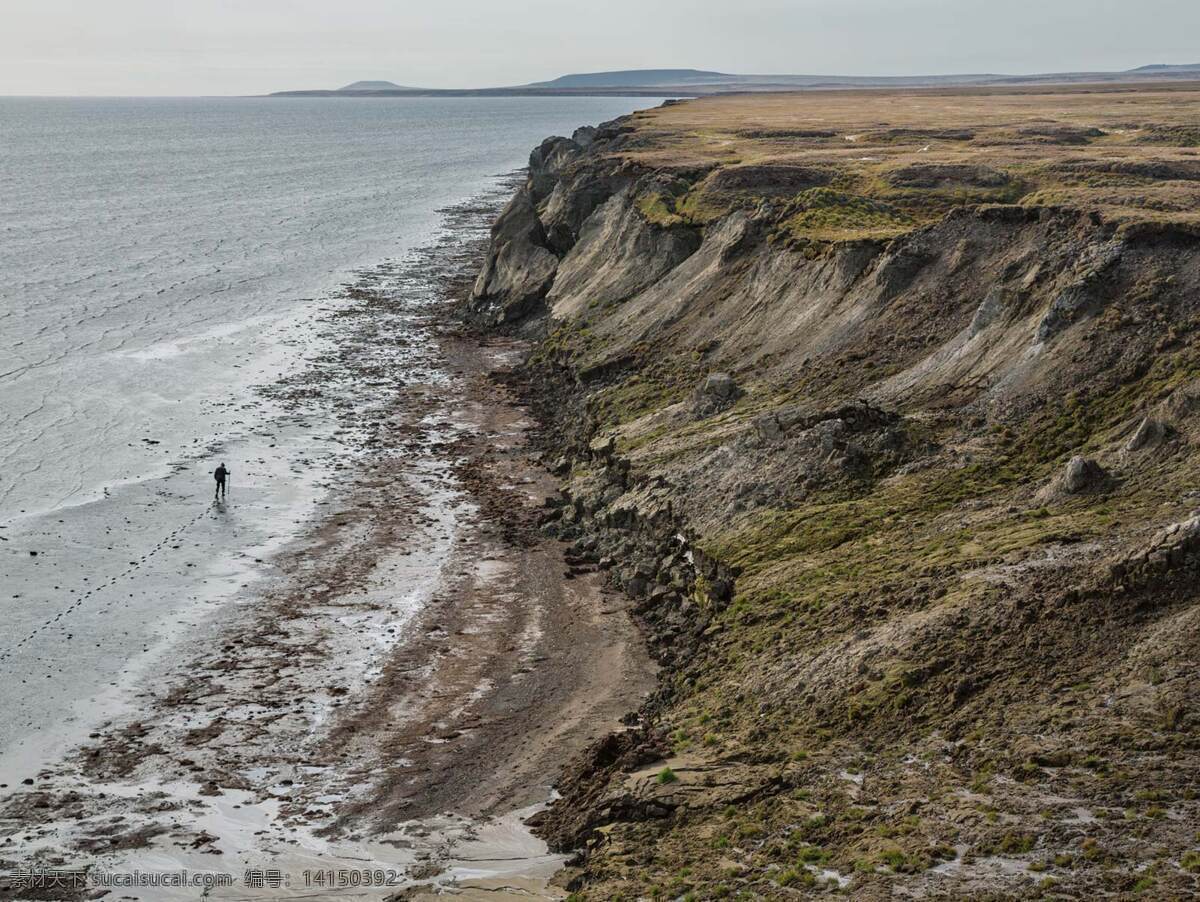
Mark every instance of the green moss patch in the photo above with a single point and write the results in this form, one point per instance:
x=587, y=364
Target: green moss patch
x=825, y=214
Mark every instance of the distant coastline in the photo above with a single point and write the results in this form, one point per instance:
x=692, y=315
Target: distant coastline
x=499, y=92
x=699, y=83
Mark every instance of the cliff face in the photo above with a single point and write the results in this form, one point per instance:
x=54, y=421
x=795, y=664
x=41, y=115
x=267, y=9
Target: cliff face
x=902, y=492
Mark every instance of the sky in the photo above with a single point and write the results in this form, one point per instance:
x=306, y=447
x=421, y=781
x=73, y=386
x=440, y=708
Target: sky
x=208, y=47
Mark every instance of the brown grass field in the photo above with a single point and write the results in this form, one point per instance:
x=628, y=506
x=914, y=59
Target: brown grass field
x=875, y=163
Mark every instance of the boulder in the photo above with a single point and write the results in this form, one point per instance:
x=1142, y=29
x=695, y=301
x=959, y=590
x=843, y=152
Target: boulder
x=603, y=446
x=716, y=393
x=636, y=586
x=1149, y=433
x=720, y=385
x=1081, y=473
x=768, y=427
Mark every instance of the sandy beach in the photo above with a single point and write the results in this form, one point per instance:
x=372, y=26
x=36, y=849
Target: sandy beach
x=407, y=683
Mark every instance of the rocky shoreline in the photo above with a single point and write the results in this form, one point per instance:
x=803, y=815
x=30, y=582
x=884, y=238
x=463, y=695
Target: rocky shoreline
x=408, y=682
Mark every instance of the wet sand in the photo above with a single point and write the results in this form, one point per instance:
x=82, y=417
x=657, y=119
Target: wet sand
x=405, y=688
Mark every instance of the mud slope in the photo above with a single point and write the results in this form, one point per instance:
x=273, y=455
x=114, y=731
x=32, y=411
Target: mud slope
x=884, y=410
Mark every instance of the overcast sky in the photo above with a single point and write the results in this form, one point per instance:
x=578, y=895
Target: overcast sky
x=256, y=46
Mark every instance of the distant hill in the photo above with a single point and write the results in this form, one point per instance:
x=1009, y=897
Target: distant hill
x=373, y=86
x=702, y=81
x=1165, y=67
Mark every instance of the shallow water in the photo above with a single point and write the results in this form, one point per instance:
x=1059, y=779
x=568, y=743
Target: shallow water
x=158, y=260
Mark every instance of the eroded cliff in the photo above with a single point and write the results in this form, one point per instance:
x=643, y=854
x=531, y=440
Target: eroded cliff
x=882, y=410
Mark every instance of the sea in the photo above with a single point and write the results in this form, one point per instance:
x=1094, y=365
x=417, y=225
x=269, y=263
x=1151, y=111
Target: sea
x=161, y=261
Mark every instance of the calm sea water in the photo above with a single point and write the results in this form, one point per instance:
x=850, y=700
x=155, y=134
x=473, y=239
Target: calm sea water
x=159, y=258
x=145, y=242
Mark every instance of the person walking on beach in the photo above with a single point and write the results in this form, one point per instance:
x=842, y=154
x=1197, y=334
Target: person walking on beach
x=220, y=474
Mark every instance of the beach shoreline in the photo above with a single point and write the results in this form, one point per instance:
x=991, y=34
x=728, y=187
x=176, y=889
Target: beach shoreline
x=420, y=666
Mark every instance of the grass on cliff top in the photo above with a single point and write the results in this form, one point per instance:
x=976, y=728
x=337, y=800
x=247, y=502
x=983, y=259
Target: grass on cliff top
x=659, y=209
x=823, y=214
x=855, y=206
x=687, y=206
x=1048, y=138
